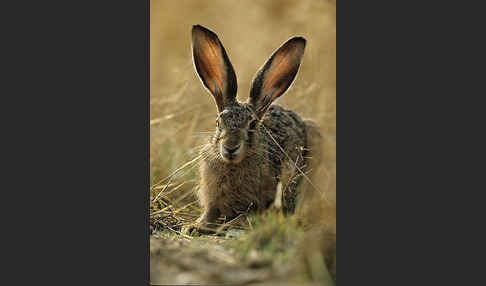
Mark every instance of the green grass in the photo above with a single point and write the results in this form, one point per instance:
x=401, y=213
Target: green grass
x=272, y=235
x=181, y=111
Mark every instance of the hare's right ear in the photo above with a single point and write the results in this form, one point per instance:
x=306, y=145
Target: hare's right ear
x=213, y=66
x=276, y=76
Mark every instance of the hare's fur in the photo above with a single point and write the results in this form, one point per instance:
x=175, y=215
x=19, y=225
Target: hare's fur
x=273, y=146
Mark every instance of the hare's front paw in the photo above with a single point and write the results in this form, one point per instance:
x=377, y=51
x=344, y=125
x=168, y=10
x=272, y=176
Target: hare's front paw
x=189, y=229
x=201, y=228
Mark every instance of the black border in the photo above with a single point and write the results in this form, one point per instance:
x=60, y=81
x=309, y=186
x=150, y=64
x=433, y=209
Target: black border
x=409, y=84
x=76, y=185
x=75, y=151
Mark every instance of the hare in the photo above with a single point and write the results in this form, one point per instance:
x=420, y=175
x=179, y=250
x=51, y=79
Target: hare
x=257, y=145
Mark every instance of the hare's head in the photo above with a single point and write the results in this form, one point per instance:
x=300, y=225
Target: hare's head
x=237, y=123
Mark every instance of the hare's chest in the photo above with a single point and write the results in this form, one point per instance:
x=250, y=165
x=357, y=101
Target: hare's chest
x=241, y=180
x=242, y=188
x=239, y=187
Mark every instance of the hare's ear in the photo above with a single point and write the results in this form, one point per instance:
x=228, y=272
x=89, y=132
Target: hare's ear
x=213, y=66
x=276, y=76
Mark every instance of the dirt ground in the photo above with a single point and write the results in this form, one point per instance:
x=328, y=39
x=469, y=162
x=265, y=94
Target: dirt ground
x=182, y=116
x=204, y=261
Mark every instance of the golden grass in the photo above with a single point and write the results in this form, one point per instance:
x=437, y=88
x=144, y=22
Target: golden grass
x=180, y=108
x=182, y=113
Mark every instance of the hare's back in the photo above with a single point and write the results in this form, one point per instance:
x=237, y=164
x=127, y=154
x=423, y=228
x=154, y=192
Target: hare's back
x=287, y=129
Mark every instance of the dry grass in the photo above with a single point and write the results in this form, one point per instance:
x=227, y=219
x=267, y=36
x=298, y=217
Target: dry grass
x=182, y=113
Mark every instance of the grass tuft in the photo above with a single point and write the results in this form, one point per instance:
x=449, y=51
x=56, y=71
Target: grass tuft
x=182, y=116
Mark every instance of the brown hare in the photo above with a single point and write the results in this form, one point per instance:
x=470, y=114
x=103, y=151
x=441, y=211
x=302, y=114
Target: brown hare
x=257, y=145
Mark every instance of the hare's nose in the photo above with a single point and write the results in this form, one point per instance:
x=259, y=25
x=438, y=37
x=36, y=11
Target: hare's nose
x=230, y=150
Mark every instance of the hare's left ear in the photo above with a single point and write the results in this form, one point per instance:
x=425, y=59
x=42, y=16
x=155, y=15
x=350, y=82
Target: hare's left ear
x=276, y=76
x=213, y=66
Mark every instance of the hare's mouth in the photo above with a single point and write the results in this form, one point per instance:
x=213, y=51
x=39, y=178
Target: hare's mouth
x=232, y=154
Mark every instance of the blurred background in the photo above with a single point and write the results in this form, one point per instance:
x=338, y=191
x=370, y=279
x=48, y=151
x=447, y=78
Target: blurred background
x=250, y=31
x=182, y=112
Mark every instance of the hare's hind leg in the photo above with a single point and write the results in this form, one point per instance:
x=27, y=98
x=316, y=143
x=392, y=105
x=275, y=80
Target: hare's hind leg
x=313, y=159
x=298, y=175
x=314, y=144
